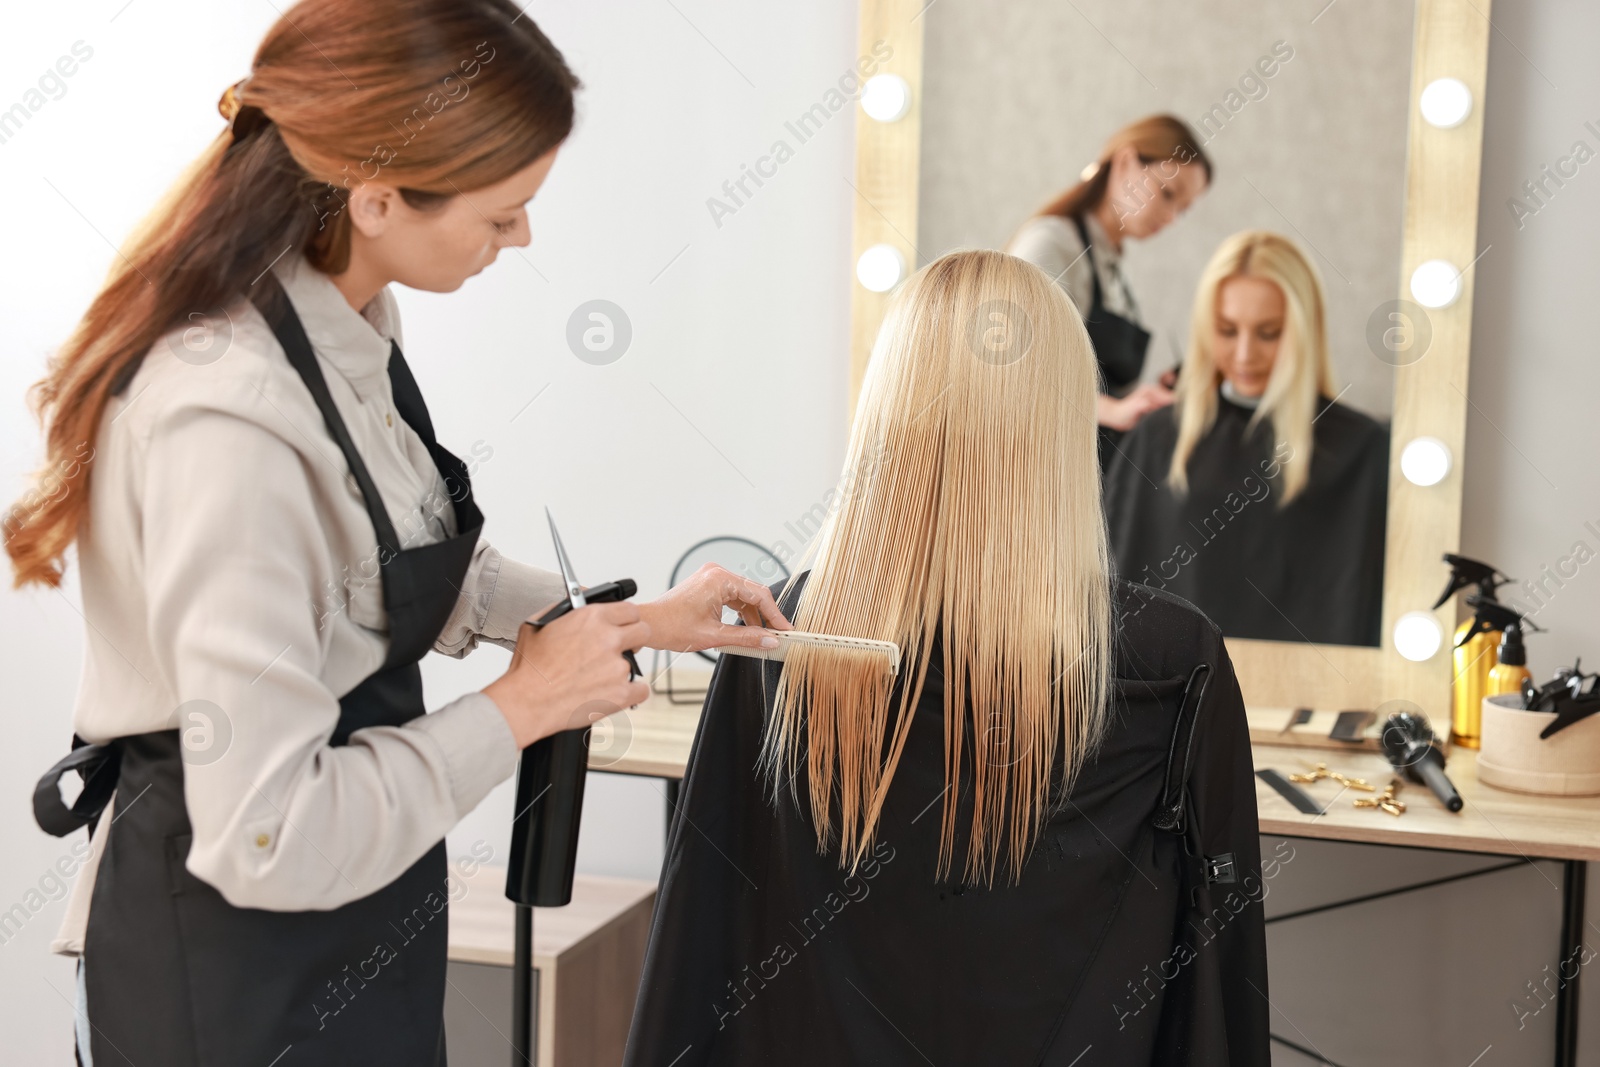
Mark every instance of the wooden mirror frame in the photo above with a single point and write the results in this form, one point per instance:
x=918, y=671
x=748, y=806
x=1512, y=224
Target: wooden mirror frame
x=1450, y=39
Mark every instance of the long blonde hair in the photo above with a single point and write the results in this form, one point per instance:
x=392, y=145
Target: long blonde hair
x=1300, y=376
x=979, y=520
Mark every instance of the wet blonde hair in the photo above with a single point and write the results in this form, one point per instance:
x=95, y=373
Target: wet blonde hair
x=974, y=511
x=1301, y=375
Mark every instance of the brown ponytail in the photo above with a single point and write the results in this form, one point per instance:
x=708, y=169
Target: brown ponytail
x=1156, y=138
x=436, y=96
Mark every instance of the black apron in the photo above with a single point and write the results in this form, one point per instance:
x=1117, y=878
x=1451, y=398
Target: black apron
x=1119, y=344
x=178, y=977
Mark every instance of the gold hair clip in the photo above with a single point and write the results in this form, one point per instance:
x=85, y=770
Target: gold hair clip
x=1386, y=801
x=1320, y=771
x=228, y=107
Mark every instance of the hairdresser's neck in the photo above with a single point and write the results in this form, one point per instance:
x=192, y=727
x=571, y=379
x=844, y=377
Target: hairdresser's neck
x=361, y=280
x=1105, y=213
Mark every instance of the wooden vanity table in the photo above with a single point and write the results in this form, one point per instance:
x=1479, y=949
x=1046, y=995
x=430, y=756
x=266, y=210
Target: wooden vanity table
x=1492, y=821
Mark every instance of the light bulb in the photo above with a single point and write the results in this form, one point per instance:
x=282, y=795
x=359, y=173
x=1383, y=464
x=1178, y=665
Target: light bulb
x=1417, y=636
x=886, y=97
x=1436, y=283
x=880, y=268
x=1445, y=103
x=1425, y=461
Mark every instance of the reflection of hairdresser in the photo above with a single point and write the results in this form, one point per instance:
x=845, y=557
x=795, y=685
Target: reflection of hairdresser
x=982, y=858
x=1147, y=174
x=1257, y=496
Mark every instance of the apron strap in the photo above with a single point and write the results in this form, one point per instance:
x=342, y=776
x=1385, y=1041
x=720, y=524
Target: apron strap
x=279, y=312
x=414, y=410
x=408, y=396
x=1097, y=301
x=99, y=766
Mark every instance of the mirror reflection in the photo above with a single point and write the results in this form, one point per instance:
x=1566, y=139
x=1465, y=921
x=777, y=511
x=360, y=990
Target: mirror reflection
x=1222, y=201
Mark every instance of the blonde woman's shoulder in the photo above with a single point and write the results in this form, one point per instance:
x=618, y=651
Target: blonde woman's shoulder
x=1352, y=419
x=1159, y=634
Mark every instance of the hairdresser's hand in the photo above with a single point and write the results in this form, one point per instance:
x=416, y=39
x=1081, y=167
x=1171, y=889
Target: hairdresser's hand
x=1124, y=413
x=571, y=673
x=688, y=617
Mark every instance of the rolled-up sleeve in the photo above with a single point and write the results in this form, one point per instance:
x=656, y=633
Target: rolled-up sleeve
x=497, y=595
x=234, y=556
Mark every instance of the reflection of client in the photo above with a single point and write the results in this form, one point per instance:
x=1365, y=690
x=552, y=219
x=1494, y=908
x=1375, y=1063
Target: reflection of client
x=1257, y=496
x=852, y=848
x=1147, y=174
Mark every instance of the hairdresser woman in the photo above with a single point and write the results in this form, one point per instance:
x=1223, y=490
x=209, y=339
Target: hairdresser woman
x=271, y=538
x=1147, y=174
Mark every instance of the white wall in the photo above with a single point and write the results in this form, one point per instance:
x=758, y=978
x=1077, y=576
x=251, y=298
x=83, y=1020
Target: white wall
x=745, y=333
x=726, y=415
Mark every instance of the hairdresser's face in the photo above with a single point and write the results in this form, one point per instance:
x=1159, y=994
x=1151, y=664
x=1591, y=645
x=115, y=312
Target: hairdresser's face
x=1248, y=330
x=1146, y=198
x=439, y=247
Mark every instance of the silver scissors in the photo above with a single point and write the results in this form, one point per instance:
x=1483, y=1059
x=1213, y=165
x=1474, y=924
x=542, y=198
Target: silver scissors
x=578, y=596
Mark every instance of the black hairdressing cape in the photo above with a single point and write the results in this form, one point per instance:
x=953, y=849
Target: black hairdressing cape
x=1135, y=935
x=1310, y=571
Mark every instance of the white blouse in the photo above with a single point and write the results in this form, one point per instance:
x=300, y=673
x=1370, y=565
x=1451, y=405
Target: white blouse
x=228, y=558
x=1052, y=244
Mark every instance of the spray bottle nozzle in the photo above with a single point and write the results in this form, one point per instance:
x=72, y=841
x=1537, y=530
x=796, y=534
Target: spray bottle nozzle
x=1465, y=572
x=1489, y=615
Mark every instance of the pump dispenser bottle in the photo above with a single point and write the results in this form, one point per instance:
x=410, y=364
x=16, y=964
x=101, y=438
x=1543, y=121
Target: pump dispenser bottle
x=1474, y=651
x=1512, y=669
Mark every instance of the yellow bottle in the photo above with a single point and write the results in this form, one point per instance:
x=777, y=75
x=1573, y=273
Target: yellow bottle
x=1475, y=661
x=1473, y=655
x=1512, y=670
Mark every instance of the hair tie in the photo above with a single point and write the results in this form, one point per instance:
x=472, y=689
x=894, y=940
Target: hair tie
x=228, y=107
x=244, y=118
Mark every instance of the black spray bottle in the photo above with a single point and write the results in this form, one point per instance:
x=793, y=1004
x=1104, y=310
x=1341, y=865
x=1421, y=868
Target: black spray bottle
x=1474, y=652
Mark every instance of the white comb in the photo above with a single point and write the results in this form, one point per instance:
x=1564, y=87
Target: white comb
x=787, y=639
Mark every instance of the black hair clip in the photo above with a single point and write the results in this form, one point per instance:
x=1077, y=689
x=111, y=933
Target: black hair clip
x=1571, y=694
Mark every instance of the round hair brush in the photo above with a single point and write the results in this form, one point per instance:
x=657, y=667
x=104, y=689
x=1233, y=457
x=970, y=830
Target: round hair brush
x=1408, y=743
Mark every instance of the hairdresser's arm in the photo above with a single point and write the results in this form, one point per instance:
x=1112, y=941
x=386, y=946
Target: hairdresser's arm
x=688, y=617
x=281, y=819
x=1124, y=413
x=497, y=594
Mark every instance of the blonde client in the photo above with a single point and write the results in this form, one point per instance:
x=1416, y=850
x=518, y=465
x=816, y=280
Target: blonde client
x=1257, y=495
x=1035, y=842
